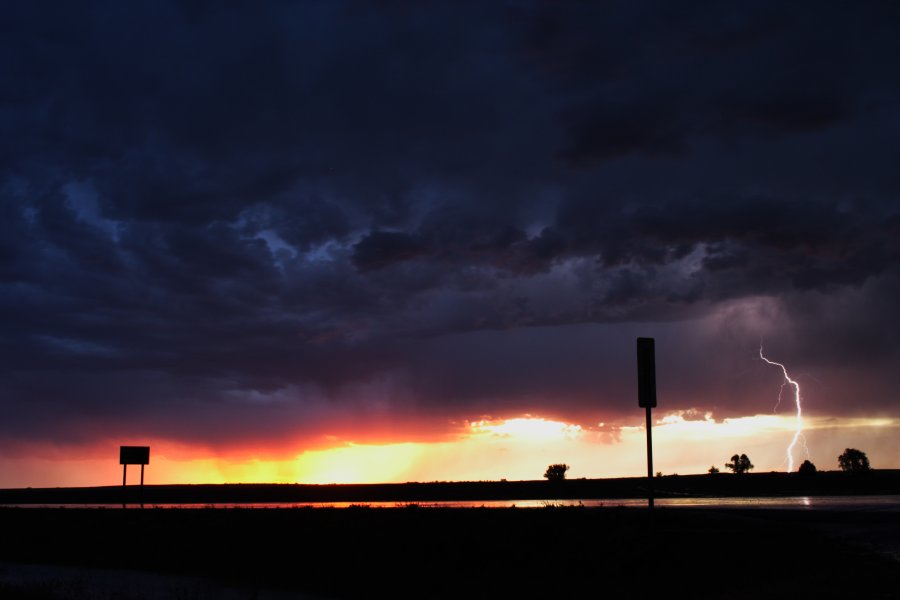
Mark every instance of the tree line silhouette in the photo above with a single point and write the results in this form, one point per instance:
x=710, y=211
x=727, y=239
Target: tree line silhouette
x=851, y=461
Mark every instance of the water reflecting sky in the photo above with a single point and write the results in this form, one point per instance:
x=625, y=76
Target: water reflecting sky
x=881, y=503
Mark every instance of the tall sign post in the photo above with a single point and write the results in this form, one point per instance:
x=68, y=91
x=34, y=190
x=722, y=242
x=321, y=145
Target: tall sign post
x=646, y=359
x=133, y=455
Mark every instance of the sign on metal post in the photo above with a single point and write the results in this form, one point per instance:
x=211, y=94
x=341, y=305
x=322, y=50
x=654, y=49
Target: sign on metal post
x=646, y=359
x=133, y=455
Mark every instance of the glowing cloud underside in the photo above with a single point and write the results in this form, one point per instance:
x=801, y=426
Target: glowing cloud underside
x=798, y=433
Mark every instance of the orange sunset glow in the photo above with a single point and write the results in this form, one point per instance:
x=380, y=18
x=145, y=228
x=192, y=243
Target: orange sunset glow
x=515, y=449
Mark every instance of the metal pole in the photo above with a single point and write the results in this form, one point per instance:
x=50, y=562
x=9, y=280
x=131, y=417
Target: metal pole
x=649, y=461
x=124, y=471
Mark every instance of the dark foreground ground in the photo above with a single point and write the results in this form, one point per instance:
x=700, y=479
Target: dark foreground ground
x=461, y=553
x=830, y=483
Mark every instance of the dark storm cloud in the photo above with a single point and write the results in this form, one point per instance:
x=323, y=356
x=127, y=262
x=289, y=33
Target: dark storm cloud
x=668, y=73
x=381, y=248
x=225, y=221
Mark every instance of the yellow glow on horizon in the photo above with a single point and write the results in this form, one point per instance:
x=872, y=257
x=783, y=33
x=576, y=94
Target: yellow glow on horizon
x=830, y=423
x=518, y=448
x=534, y=428
x=675, y=425
x=358, y=463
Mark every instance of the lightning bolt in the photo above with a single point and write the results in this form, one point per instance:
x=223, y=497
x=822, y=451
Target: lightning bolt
x=798, y=433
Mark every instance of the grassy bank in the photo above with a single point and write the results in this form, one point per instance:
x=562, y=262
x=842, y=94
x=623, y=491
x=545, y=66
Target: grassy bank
x=721, y=485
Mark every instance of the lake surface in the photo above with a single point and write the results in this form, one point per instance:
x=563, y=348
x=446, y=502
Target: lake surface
x=853, y=503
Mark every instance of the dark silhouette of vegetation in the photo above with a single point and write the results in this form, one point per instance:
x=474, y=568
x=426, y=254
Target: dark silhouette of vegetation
x=739, y=464
x=713, y=470
x=807, y=468
x=556, y=472
x=854, y=461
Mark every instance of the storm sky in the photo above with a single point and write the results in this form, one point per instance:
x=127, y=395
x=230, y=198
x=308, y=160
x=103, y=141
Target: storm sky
x=236, y=224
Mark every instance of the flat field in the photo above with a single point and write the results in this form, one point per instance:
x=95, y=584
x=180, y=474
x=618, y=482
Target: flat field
x=829, y=483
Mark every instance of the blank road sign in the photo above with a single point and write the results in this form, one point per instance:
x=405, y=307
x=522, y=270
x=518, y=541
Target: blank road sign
x=646, y=373
x=134, y=455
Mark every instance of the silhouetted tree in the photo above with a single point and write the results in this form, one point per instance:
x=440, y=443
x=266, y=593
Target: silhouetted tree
x=854, y=461
x=807, y=468
x=713, y=470
x=739, y=464
x=556, y=472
